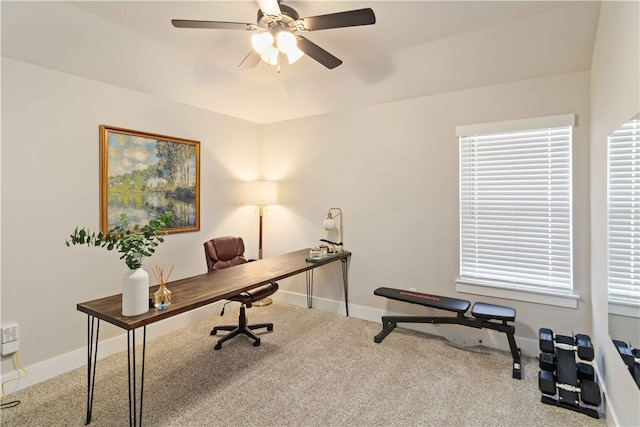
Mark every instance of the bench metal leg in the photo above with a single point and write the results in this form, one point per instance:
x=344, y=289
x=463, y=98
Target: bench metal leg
x=515, y=353
x=387, y=327
x=509, y=330
x=389, y=323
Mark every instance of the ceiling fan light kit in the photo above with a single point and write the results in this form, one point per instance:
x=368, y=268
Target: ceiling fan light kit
x=286, y=43
x=277, y=24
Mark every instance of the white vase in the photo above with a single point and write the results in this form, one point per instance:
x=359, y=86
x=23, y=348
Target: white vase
x=135, y=292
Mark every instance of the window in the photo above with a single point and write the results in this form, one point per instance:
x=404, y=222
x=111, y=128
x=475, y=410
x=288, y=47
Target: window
x=624, y=214
x=515, y=206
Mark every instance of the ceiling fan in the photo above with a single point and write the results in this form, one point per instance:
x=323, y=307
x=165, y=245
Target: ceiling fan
x=276, y=25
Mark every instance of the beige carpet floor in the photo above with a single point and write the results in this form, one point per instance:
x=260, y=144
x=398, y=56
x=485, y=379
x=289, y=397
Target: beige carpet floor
x=314, y=369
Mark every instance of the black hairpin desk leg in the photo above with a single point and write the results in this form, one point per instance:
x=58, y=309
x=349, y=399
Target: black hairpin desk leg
x=309, y=288
x=135, y=411
x=93, y=331
x=345, y=284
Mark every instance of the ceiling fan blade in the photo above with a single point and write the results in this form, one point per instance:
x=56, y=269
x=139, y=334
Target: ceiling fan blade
x=216, y=25
x=317, y=53
x=251, y=60
x=270, y=8
x=350, y=18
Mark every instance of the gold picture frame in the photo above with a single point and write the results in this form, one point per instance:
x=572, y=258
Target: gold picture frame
x=145, y=174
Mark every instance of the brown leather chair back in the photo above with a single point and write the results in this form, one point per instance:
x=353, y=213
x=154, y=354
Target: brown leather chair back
x=223, y=252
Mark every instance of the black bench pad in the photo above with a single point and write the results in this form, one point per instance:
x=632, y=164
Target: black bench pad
x=491, y=311
x=435, y=301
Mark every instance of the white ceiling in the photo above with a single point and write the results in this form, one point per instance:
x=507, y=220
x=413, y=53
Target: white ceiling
x=416, y=48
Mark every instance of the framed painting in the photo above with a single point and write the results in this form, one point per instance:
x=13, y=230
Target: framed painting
x=144, y=174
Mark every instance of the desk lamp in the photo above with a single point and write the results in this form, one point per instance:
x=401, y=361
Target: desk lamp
x=330, y=224
x=261, y=194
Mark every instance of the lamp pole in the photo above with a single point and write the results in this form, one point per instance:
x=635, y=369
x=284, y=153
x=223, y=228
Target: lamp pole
x=260, y=213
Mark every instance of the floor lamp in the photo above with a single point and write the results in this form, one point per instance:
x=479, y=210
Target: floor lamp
x=261, y=194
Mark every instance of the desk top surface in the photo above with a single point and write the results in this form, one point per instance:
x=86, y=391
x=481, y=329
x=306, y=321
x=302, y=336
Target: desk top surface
x=197, y=291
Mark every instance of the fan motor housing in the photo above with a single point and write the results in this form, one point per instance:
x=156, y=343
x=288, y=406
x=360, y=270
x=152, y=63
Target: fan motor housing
x=287, y=21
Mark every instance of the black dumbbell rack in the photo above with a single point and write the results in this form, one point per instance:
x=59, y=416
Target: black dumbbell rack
x=563, y=381
x=630, y=357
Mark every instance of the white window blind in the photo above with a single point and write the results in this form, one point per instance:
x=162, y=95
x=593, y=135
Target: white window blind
x=515, y=207
x=624, y=214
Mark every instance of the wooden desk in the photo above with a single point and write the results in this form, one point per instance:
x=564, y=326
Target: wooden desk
x=189, y=294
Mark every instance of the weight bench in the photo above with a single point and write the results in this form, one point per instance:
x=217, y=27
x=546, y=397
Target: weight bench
x=485, y=315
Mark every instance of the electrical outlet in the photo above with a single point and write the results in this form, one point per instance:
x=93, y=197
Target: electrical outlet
x=412, y=289
x=9, y=333
x=9, y=339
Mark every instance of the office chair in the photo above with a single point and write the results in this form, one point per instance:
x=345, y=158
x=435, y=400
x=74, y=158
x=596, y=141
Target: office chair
x=224, y=252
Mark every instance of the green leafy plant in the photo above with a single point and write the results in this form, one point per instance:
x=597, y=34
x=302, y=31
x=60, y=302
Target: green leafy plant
x=135, y=244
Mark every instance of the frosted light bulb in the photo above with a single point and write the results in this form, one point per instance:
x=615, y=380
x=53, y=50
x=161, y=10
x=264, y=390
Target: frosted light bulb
x=286, y=42
x=294, y=54
x=262, y=42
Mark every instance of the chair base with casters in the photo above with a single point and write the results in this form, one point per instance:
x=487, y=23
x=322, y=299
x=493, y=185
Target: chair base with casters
x=241, y=328
x=246, y=299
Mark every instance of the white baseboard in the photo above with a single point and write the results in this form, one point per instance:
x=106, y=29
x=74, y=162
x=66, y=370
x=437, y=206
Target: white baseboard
x=53, y=367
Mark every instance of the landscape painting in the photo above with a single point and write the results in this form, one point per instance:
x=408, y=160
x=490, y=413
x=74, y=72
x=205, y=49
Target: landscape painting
x=144, y=174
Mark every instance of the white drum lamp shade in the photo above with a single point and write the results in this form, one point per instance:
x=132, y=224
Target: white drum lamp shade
x=261, y=193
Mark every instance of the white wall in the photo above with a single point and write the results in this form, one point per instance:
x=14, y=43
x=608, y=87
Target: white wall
x=393, y=169
x=50, y=184
x=615, y=98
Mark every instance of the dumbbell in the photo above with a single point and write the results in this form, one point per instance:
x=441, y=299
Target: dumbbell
x=545, y=337
x=585, y=348
x=547, y=382
x=547, y=362
x=619, y=343
x=580, y=343
x=627, y=355
x=590, y=392
x=585, y=371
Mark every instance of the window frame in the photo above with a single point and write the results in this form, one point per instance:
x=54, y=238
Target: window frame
x=618, y=304
x=487, y=287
